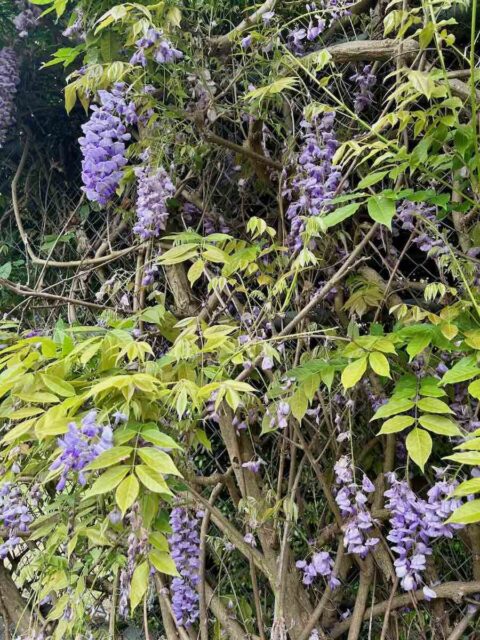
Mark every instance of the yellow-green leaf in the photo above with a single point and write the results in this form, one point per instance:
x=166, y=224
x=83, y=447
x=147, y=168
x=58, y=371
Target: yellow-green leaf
x=139, y=584
x=127, y=493
x=468, y=513
x=353, y=372
x=379, y=364
x=440, y=424
x=419, y=446
x=162, y=562
x=396, y=424
x=152, y=479
x=107, y=481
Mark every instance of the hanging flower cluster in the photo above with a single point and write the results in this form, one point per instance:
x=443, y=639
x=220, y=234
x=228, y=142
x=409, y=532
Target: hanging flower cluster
x=103, y=145
x=76, y=28
x=80, y=446
x=185, y=549
x=9, y=80
x=137, y=546
x=414, y=522
x=321, y=564
x=316, y=178
x=364, y=80
x=27, y=19
x=352, y=500
x=14, y=515
x=154, y=189
x=162, y=49
x=320, y=17
x=429, y=241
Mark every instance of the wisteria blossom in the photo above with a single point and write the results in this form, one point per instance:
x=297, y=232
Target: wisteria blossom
x=162, y=50
x=155, y=188
x=185, y=547
x=315, y=179
x=9, y=81
x=414, y=522
x=15, y=516
x=103, y=145
x=79, y=447
x=352, y=500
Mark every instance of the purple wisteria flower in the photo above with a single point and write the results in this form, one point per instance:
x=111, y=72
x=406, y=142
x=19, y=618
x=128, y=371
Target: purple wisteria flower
x=27, y=19
x=352, y=500
x=80, y=447
x=364, y=80
x=414, y=522
x=162, y=49
x=253, y=465
x=321, y=564
x=155, y=187
x=185, y=550
x=138, y=546
x=76, y=28
x=316, y=178
x=9, y=80
x=14, y=515
x=429, y=241
x=103, y=145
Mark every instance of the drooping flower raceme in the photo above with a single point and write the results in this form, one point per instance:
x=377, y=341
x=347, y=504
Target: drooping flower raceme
x=352, y=500
x=103, y=145
x=138, y=546
x=364, y=80
x=163, y=51
x=14, y=515
x=79, y=447
x=27, y=19
x=429, y=240
x=414, y=522
x=321, y=564
x=9, y=80
x=185, y=549
x=154, y=189
x=316, y=178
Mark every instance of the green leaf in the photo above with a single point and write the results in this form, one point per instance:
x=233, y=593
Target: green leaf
x=162, y=562
x=195, y=271
x=464, y=369
x=353, y=372
x=298, y=405
x=381, y=210
x=158, y=461
x=379, y=364
x=107, y=481
x=433, y=405
x=371, y=179
x=396, y=424
x=5, y=270
x=152, y=479
x=58, y=386
x=272, y=89
x=467, y=488
x=419, y=446
x=468, y=457
x=393, y=406
x=127, y=493
x=339, y=215
x=139, y=584
x=474, y=389
x=109, y=458
x=470, y=445
x=422, y=82
x=439, y=424
x=468, y=513
x=156, y=437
